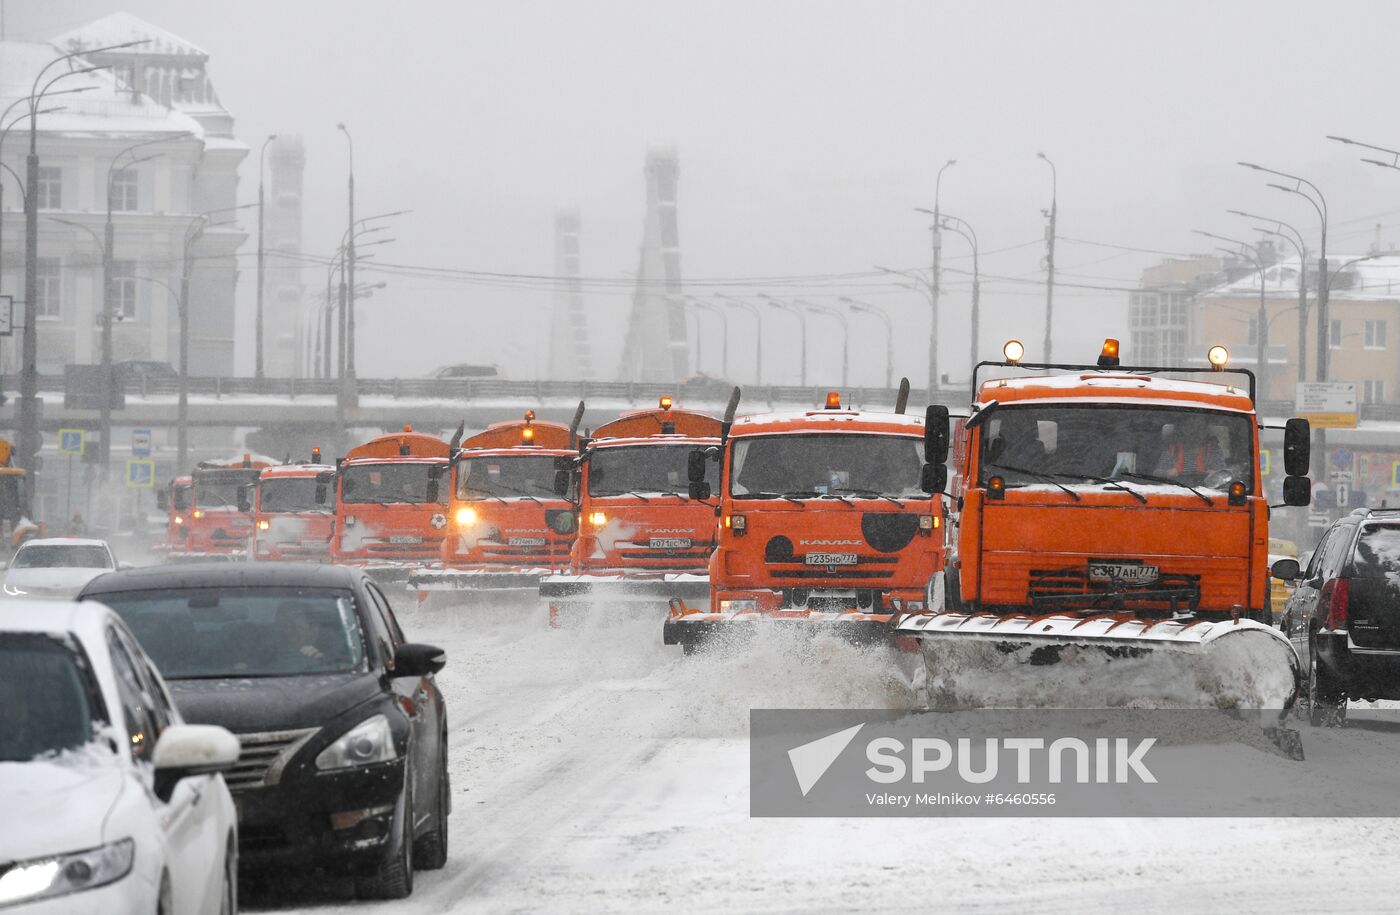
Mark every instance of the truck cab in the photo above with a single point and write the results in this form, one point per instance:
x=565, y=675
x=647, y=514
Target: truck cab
x=825, y=516
x=293, y=509
x=390, y=506
x=216, y=525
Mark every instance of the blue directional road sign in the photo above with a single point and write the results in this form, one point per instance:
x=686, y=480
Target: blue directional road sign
x=70, y=441
x=141, y=474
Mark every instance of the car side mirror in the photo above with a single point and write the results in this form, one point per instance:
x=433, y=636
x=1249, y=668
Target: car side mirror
x=1297, y=490
x=1286, y=570
x=562, y=479
x=416, y=660
x=936, y=434
x=696, y=466
x=163, y=500
x=933, y=478
x=1297, y=448
x=700, y=490
x=186, y=750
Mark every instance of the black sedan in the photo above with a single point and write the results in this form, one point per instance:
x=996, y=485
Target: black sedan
x=343, y=728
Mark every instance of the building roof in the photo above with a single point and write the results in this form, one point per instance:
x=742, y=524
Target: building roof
x=1357, y=277
x=122, y=27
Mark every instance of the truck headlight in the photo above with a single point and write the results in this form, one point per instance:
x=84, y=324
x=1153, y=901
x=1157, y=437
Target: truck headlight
x=59, y=875
x=466, y=516
x=370, y=741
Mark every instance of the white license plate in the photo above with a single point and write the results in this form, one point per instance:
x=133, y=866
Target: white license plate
x=830, y=559
x=525, y=541
x=1132, y=573
x=405, y=538
x=669, y=543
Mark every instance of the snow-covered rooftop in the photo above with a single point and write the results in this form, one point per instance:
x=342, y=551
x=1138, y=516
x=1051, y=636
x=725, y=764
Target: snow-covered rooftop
x=1357, y=277
x=122, y=27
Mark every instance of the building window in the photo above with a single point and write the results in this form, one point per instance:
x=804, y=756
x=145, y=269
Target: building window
x=1373, y=392
x=124, y=190
x=1335, y=334
x=1375, y=335
x=123, y=291
x=50, y=187
x=48, y=278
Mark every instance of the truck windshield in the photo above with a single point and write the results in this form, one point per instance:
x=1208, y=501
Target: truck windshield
x=48, y=699
x=219, y=488
x=1068, y=444
x=813, y=465
x=643, y=469
x=506, y=477
x=291, y=494
x=387, y=483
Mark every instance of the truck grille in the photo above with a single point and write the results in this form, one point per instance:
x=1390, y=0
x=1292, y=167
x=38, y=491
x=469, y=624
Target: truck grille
x=263, y=758
x=1071, y=589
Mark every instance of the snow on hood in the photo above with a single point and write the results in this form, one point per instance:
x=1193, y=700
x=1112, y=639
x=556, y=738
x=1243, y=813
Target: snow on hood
x=63, y=802
x=67, y=580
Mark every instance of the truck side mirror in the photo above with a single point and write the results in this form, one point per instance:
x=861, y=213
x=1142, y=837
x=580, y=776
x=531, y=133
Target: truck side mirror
x=562, y=478
x=700, y=490
x=1297, y=448
x=434, y=485
x=323, y=490
x=245, y=497
x=936, y=434
x=933, y=478
x=1297, y=490
x=162, y=500
x=696, y=465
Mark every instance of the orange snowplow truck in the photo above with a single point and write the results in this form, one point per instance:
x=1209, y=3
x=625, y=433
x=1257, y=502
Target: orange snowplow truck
x=293, y=508
x=1110, y=507
x=390, y=506
x=215, y=526
x=174, y=500
x=642, y=540
x=507, y=526
x=827, y=518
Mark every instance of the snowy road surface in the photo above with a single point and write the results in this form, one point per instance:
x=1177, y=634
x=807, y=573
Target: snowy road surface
x=596, y=770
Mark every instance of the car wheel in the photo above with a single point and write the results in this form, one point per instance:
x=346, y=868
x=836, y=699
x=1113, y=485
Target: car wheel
x=393, y=879
x=228, y=904
x=431, y=851
x=1326, y=702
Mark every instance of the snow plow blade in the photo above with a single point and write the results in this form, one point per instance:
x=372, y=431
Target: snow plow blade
x=473, y=580
x=693, y=629
x=1063, y=660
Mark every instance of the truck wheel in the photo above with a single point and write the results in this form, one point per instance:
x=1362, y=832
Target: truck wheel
x=952, y=596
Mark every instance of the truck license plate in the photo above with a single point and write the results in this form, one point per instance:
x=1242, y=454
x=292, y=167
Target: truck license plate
x=831, y=559
x=525, y=541
x=1102, y=572
x=405, y=538
x=669, y=543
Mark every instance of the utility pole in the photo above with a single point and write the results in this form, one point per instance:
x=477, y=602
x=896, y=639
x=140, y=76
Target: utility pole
x=258, y=332
x=1050, y=258
x=935, y=282
x=350, y=271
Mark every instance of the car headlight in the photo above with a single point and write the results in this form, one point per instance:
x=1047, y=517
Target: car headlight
x=44, y=878
x=370, y=741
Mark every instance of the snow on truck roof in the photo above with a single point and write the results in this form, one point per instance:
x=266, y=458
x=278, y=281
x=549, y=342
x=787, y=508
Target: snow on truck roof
x=295, y=470
x=838, y=421
x=1122, y=387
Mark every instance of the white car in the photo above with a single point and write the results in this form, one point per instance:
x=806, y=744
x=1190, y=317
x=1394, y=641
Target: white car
x=57, y=567
x=111, y=803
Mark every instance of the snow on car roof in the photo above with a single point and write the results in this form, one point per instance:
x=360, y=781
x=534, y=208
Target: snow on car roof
x=84, y=619
x=64, y=541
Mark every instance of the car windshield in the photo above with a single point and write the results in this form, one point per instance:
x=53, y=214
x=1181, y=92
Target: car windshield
x=180, y=497
x=219, y=488
x=644, y=469
x=387, y=483
x=292, y=494
x=61, y=556
x=837, y=464
x=48, y=699
x=207, y=633
x=1069, y=444
x=506, y=476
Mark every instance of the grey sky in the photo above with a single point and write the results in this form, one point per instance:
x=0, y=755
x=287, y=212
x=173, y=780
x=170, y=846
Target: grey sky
x=806, y=131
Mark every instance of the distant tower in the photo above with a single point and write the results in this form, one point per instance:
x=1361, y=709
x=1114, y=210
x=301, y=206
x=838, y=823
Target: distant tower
x=656, y=348
x=570, y=355
x=283, y=290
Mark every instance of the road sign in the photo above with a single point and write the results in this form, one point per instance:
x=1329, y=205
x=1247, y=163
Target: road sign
x=1395, y=475
x=1327, y=404
x=141, y=474
x=70, y=441
x=1342, y=458
x=7, y=315
x=1342, y=491
x=1265, y=462
x=1341, y=476
x=140, y=443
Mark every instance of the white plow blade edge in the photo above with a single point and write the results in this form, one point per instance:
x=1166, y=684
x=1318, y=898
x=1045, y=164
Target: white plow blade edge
x=1107, y=661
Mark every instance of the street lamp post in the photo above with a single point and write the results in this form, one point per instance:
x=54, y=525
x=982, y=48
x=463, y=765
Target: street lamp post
x=1294, y=238
x=350, y=268
x=867, y=308
x=1261, y=337
x=845, y=333
x=1050, y=255
x=802, y=322
x=758, y=331
x=933, y=379
x=964, y=228
x=724, y=331
x=258, y=320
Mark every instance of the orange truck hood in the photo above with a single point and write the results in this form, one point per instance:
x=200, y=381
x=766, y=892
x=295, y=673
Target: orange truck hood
x=633, y=526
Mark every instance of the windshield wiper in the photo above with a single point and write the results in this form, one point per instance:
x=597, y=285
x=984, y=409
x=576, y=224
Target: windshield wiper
x=1116, y=485
x=870, y=493
x=1041, y=475
x=764, y=494
x=1169, y=482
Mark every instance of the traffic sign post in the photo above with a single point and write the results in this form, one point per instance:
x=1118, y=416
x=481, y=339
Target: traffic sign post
x=141, y=474
x=140, y=443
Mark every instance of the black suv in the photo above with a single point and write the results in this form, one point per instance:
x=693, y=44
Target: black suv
x=343, y=728
x=1344, y=616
